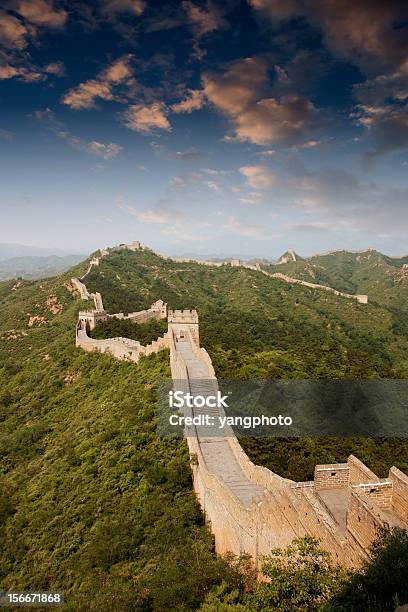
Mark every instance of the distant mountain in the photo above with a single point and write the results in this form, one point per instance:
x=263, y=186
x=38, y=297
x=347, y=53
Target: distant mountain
x=79, y=428
x=35, y=267
x=288, y=256
x=384, y=279
x=11, y=250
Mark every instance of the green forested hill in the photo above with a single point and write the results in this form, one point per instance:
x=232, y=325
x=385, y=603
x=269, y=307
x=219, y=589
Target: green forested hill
x=257, y=326
x=382, y=278
x=92, y=501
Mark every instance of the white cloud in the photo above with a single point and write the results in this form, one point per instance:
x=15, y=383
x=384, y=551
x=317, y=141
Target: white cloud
x=215, y=172
x=273, y=120
x=104, y=150
x=242, y=228
x=41, y=13
x=181, y=182
x=13, y=33
x=268, y=153
x=212, y=185
x=258, y=177
x=112, y=8
x=86, y=94
x=252, y=198
x=203, y=20
x=146, y=118
x=21, y=22
x=193, y=101
x=6, y=135
x=240, y=93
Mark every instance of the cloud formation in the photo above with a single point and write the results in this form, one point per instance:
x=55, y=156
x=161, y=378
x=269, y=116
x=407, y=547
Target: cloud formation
x=104, y=150
x=204, y=20
x=115, y=7
x=13, y=33
x=258, y=177
x=362, y=31
x=169, y=221
x=41, y=12
x=146, y=118
x=28, y=72
x=21, y=22
x=194, y=101
x=245, y=229
x=238, y=87
x=383, y=110
x=387, y=124
x=240, y=93
x=103, y=87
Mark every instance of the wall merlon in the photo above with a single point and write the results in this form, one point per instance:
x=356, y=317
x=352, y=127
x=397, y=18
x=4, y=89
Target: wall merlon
x=359, y=472
x=249, y=508
x=336, y=475
x=399, y=500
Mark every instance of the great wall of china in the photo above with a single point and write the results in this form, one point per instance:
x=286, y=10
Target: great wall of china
x=250, y=509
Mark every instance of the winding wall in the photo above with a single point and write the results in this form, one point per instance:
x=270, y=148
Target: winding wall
x=249, y=508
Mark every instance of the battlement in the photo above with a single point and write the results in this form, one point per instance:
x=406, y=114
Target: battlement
x=91, y=318
x=182, y=316
x=250, y=508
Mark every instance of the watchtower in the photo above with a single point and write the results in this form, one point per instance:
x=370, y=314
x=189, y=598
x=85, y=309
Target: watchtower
x=181, y=321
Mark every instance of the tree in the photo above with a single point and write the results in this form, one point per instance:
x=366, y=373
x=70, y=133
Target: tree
x=382, y=583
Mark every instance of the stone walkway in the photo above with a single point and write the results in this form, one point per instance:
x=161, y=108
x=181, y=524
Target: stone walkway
x=219, y=458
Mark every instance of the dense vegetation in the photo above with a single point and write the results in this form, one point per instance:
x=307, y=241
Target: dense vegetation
x=94, y=503
x=91, y=500
x=257, y=327
x=145, y=333
x=254, y=325
x=302, y=577
x=383, y=278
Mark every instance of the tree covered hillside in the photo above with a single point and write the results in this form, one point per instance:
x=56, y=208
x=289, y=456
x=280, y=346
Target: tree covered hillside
x=384, y=279
x=256, y=326
x=92, y=502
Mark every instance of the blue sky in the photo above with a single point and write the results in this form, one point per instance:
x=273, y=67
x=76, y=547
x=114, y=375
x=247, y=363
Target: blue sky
x=208, y=127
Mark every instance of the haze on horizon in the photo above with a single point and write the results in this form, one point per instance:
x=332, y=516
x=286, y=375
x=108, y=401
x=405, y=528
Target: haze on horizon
x=231, y=127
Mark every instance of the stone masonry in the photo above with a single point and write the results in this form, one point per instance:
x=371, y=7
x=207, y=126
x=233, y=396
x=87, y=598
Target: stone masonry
x=250, y=509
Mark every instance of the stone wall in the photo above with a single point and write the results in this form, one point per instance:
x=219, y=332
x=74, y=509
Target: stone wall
x=158, y=310
x=363, y=518
x=80, y=288
x=120, y=348
x=333, y=476
x=379, y=492
x=91, y=318
x=363, y=299
x=399, y=501
x=359, y=472
x=343, y=506
x=181, y=320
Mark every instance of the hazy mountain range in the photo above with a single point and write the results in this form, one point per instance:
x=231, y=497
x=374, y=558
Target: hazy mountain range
x=31, y=262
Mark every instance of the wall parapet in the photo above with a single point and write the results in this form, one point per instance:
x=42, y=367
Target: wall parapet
x=124, y=349
x=249, y=508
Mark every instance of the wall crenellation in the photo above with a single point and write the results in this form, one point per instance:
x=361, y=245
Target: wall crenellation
x=249, y=508
x=121, y=348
